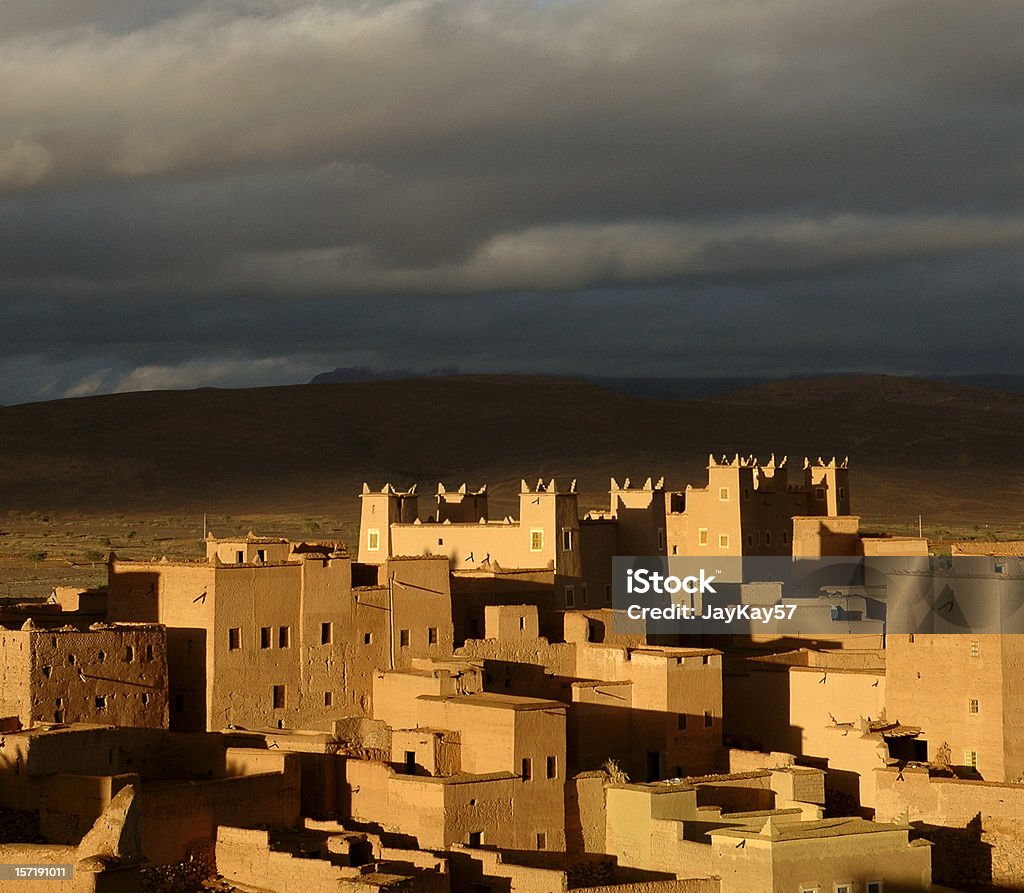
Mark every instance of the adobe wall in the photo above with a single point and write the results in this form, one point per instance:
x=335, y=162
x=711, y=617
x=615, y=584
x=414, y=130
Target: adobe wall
x=816, y=696
x=977, y=826
x=585, y=817
x=40, y=854
x=764, y=865
x=475, y=868
x=245, y=857
x=472, y=592
x=676, y=705
x=16, y=674
x=817, y=536
x=680, y=885
x=177, y=814
x=115, y=675
x=434, y=812
x=930, y=681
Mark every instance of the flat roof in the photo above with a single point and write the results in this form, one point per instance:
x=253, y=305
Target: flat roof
x=501, y=701
x=820, y=828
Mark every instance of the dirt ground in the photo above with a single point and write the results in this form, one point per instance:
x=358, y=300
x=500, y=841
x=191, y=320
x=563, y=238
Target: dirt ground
x=41, y=551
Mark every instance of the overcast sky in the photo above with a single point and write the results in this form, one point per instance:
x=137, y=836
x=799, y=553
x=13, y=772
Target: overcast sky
x=241, y=192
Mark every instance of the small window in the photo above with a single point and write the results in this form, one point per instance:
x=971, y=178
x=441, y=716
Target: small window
x=972, y=706
x=440, y=540
x=570, y=597
x=101, y=702
x=58, y=716
x=431, y=635
x=264, y=637
x=785, y=538
x=261, y=554
x=975, y=649
x=328, y=698
x=101, y=656
x=971, y=759
x=326, y=633
x=403, y=638
x=373, y=540
x=842, y=495
x=873, y=886
x=239, y=557
x=723, y=541
x=475, y=838
x=537, y=540
x=681, y=722
x=149, y=653
x=129, y=654
x=723, y=494
x=552, y=767
x=284, y=636
x=71, y=659
x=702, y=536
x=522, y=624
x=709, y=720
x=767, y=537
x=567, y=540
x=367, y=638
x=819, y=494
x=910, y=638
x=46, y=672
x=607, y=593
x=843, y=888
x=145, y=698
x=527, y=769
x=279, y=697
x=542, y=840
x=750, y=539
x=661, y=539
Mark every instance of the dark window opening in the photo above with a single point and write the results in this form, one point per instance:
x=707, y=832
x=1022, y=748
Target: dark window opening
x=279, y=692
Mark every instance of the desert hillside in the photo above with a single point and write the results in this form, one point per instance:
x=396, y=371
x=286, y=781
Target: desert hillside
x=950, y=452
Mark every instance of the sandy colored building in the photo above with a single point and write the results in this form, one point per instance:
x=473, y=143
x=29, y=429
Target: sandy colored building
x=108, y=673
x=468, y=767
x=966, y=693
x=188, y=784
x=282, y=639
x=747, y=508
x=841, y=855
x=663, y=826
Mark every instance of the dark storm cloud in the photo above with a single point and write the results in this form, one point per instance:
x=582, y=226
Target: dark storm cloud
x=250, y=191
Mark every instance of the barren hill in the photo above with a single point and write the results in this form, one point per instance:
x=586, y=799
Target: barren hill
x=951, y=452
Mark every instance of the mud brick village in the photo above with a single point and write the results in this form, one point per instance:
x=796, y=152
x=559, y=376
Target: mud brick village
x=453, y=703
